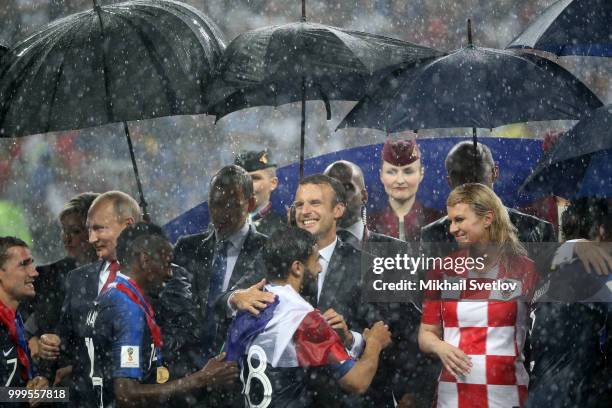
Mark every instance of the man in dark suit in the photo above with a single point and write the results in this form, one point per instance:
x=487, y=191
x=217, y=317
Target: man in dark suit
x=108, y=215
x=404, y=370
x=463, y=166
x=352, y=228
x=262, y=170
x=219, y=258
x=319, y=204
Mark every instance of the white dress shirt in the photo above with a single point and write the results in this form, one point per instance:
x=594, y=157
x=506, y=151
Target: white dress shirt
x=103, y=276
x=234, y=246
x=356, y=230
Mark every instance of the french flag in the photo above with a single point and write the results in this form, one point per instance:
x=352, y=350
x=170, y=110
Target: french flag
x=290, y=331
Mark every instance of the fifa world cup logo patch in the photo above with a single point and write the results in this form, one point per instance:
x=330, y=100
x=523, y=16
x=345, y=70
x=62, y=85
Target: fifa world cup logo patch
x=130, y=356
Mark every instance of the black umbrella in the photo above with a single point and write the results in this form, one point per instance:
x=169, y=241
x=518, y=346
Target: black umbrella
x=571, y=27
x=473, y=87
x=580, y=163
x=304, y=61
x=3, y=51
x=129, y=61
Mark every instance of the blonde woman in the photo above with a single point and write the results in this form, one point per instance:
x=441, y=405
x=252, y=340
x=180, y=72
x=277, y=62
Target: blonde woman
x=475, y=322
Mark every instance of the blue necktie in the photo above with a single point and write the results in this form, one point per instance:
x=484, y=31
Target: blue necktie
x=215, y=288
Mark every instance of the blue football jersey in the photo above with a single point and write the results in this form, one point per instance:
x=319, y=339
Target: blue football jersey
x=119, y=344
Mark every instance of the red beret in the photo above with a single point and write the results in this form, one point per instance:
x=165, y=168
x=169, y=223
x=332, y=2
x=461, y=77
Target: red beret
x=400, y=152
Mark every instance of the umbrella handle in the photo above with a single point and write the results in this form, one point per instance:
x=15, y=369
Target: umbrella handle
x=143, y=203
x=303, y=10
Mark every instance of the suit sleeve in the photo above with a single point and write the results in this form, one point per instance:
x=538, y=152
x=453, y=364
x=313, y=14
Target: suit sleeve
x=255, y=274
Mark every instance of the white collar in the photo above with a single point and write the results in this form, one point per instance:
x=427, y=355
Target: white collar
x=357, y=230
x=238, y=237
x=326, y=253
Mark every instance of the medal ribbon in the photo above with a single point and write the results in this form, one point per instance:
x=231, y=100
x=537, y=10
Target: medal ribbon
x=13, y=323
x=135, y=294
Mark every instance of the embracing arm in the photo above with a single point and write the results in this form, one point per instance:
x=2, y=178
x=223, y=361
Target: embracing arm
x=358, y=379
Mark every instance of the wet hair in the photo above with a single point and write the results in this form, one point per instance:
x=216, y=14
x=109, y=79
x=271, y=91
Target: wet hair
x=231, y=176
x=284, y=247
x=5, y=244
x=138, y=238
x=335, y=185
x=462, y=167
x=124, y=206
x=481, y=200
x=79, y=205
x=584, y=216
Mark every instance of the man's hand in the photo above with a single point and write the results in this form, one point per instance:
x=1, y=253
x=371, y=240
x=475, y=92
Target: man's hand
x=49, y=346
x=252, y=299
x=33, y=345
x=62, y=373
x=379, y=334
x=37, y=383
x=218, y=373
x=336, y=321
x=594, y=256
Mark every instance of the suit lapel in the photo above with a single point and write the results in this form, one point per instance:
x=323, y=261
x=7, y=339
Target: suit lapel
x=244, y=258
x=91, y=287
x=205, y=253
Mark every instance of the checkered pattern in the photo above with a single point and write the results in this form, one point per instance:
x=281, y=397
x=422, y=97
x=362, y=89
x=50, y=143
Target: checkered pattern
x=491, y=332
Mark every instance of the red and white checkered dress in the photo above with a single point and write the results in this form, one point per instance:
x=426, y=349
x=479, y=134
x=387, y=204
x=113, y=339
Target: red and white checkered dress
x=492, y=332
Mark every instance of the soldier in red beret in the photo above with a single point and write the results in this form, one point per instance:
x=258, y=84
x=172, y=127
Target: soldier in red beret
x=401, y=173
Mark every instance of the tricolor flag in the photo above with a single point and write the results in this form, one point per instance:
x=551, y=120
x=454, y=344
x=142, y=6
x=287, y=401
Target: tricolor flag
x=290, y=331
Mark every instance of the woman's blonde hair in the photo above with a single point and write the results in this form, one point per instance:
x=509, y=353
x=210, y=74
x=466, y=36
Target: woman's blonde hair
x=481, y=200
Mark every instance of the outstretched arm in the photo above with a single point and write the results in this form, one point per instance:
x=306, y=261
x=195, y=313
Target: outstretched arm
x=131, y=393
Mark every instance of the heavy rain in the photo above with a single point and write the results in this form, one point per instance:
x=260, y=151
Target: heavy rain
x=418, y=108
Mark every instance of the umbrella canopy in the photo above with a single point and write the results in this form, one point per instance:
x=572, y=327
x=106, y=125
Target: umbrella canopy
x=304, y=61
x=135, y=60
x=265, y=66
x=473, y=87
x=580, y=163
x=3, y=51
x=571, y=27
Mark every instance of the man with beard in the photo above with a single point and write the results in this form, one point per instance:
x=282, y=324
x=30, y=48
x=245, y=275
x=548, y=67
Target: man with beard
x=290, y=341
x=319, y=204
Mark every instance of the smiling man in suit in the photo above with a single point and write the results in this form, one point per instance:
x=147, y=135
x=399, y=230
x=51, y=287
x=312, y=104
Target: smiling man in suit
x=108, y=215
x=319, y=204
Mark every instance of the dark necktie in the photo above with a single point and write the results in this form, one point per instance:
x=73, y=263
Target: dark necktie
x=215, y=288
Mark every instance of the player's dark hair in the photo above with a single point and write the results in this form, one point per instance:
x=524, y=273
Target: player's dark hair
x=5, y=244
x=336, y=186
x=285, y=247
x=139, y=238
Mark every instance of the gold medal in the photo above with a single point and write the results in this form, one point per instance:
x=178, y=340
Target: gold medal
x=162, y=374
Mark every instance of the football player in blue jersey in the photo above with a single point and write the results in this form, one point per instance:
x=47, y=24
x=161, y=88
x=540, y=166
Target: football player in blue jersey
x=290, y=341
x=125, y=342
